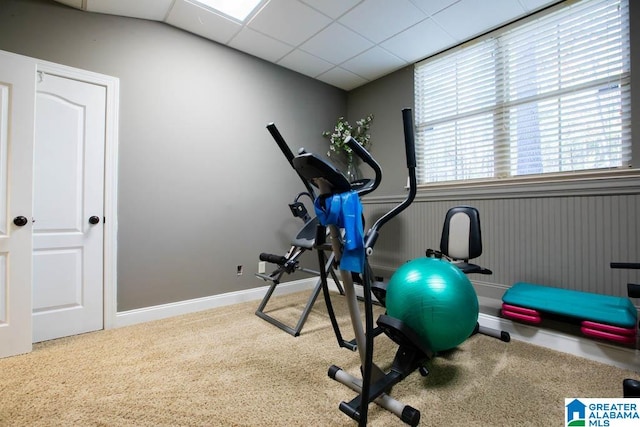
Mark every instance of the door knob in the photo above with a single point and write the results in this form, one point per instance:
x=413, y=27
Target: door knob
x=20, y=221
x=94, y=219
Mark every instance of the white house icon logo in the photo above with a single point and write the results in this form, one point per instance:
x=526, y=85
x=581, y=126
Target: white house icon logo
x=576, y=413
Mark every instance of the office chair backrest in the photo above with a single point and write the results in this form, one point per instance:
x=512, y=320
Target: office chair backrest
x=461, y=238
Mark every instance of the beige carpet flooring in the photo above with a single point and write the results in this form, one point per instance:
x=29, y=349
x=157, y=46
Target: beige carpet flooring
x=227, y=367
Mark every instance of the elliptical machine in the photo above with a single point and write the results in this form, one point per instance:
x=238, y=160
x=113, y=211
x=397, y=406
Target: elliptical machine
x=411, y=354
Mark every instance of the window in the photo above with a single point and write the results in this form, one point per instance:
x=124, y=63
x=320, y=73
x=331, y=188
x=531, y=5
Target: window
x=545, y=95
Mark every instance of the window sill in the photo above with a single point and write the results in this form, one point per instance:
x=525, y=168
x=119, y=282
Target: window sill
x=609, y=182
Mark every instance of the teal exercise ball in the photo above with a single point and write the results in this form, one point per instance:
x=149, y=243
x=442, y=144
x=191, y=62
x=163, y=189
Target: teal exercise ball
x=436, y=300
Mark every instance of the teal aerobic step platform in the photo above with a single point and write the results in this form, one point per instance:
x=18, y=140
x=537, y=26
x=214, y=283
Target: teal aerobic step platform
x=605, y=309
x=601, y=316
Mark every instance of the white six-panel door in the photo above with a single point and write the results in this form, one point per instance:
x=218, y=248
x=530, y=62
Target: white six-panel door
x=57, y=256
x=17, y=95
x=68, y=207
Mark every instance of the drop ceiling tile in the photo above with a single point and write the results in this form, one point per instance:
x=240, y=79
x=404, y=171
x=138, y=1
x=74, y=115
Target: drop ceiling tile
x=342, y=78
x=289, y=21
x=419, y=41
x=257, y=44
x=336, y=44
x=378, y=20
x=432, y=6
x=305, y=63
x=470, y=18
x=202, y=22
x=332, y=8
x=143, y=9
x=374, y=63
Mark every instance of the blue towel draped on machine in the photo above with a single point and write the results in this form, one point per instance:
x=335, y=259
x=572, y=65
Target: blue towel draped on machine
x=345, y=211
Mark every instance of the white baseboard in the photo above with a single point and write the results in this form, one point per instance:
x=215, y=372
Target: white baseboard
x=625, y=358
x=147, y=314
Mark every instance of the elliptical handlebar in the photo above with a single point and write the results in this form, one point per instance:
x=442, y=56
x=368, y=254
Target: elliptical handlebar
x=409, y=138
x=368, y=159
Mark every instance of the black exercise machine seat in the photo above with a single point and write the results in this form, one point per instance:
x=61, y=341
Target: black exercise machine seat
x=306, y=237
x=312, y=168
x=461, y=239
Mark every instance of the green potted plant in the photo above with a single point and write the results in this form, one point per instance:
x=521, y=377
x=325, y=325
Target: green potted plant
x=340, y=150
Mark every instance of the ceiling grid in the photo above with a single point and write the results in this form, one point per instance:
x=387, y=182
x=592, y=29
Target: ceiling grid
x=345, y=43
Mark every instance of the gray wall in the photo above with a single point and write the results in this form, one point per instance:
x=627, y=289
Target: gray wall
x=385, y=98
x=202, y=186
x=560, y=235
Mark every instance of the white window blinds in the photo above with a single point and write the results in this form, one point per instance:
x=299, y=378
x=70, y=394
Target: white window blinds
x=548, y=95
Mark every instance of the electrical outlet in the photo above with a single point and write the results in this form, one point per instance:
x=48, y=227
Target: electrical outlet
x=262, y=267
x=239, y=270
